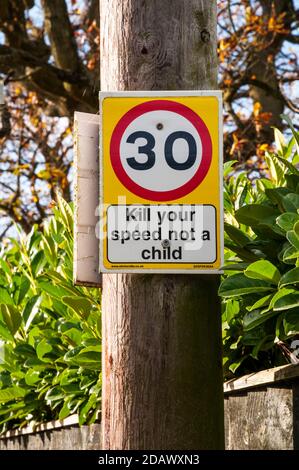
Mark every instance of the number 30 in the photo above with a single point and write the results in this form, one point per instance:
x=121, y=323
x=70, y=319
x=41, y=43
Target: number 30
x=148, y=150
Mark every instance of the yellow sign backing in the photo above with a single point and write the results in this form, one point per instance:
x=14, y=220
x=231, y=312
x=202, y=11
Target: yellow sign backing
x=161, y=182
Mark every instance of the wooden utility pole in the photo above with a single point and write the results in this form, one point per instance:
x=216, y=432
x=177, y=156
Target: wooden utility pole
x=162, y=373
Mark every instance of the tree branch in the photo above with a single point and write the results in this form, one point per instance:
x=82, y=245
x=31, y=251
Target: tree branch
x=5, y=121
x=11, y=57
x=3, y=233
x=292, y=38
x=58, y=27
x=93, y=12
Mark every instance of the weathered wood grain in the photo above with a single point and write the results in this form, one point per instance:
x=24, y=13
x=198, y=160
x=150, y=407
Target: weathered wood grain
x=161, y=334
x=158, y=45
x=65, y=438
x=260, y=419
x=268, y=376
x=295, y=430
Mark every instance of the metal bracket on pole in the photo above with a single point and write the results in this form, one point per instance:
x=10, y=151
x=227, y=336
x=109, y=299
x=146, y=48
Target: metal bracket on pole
x=86, y=196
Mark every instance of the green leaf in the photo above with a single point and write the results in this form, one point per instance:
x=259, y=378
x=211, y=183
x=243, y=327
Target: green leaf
x=235, y=365
x=86, y=407
x=32, y=377
x=65, y=213
x=65, y=410
x=43, y=348
x=5, y=333
x=53, y=290
x=262, y=184
x=269, y=229
x=28, y=312
x=49, y=250
x=288, y=301
x=260, y=345
x=254, y=214
x=276, y=195
x=291, y=322
x=232, y=309
x=295, y=134
x=74, y=336
x=263, y=270
x=239, y=284
x=279, y=140
x=276, y=168
x=5, y=267
x=292, y=143
x=86, y=355
x=235, y=267
x=243, y=196
x=54, y=394
x=227, y=167
x=236, y=344
x=290, y=253
x=262, y=302
x=38, y=261
x=11, y=318
x=72, y=353
x=237, y=235
x=243, y=253
x=89, y=357
x=287, y=220
x=256, y=317
x=291, y=202
x=24, y=350
x=11, y=393
x=80, y=305
x=278, y=294
x=291, y=277
x=288, y=165
x=24, y=288
x=61, y=280
x=264, y=248
x=97, y=349
x=293, y=239
x=72, y=388
x=5, y=298
x=292, y=182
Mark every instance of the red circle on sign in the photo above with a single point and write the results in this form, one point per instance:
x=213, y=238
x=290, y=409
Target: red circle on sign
x=161, y=105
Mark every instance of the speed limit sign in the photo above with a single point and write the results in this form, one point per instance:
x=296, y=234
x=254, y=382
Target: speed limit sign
x=161, y=184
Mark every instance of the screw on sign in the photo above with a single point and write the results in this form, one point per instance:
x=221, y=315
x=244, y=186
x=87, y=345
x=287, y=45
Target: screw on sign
x=161, y=182
x=165, y=160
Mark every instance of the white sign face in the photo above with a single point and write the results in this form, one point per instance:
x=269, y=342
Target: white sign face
x=161, y=233
x=161, y=182
x=162, y=158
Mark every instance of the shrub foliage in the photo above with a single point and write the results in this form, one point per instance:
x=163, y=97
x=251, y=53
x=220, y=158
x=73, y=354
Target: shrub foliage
x=260, y=289
x=50, y=330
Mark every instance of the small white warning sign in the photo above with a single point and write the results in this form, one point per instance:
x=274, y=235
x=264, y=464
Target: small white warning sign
x=161, y=234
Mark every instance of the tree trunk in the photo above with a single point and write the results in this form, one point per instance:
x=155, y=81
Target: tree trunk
x=262, y=66
x=162, y=373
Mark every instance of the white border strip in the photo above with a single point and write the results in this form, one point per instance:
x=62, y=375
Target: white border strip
x=262, y=378
x=86, y=196
x=33, y=429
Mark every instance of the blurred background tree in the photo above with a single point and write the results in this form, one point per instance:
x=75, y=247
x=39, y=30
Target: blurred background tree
x=49, y=61
x=259, y=71
x=49, y=58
